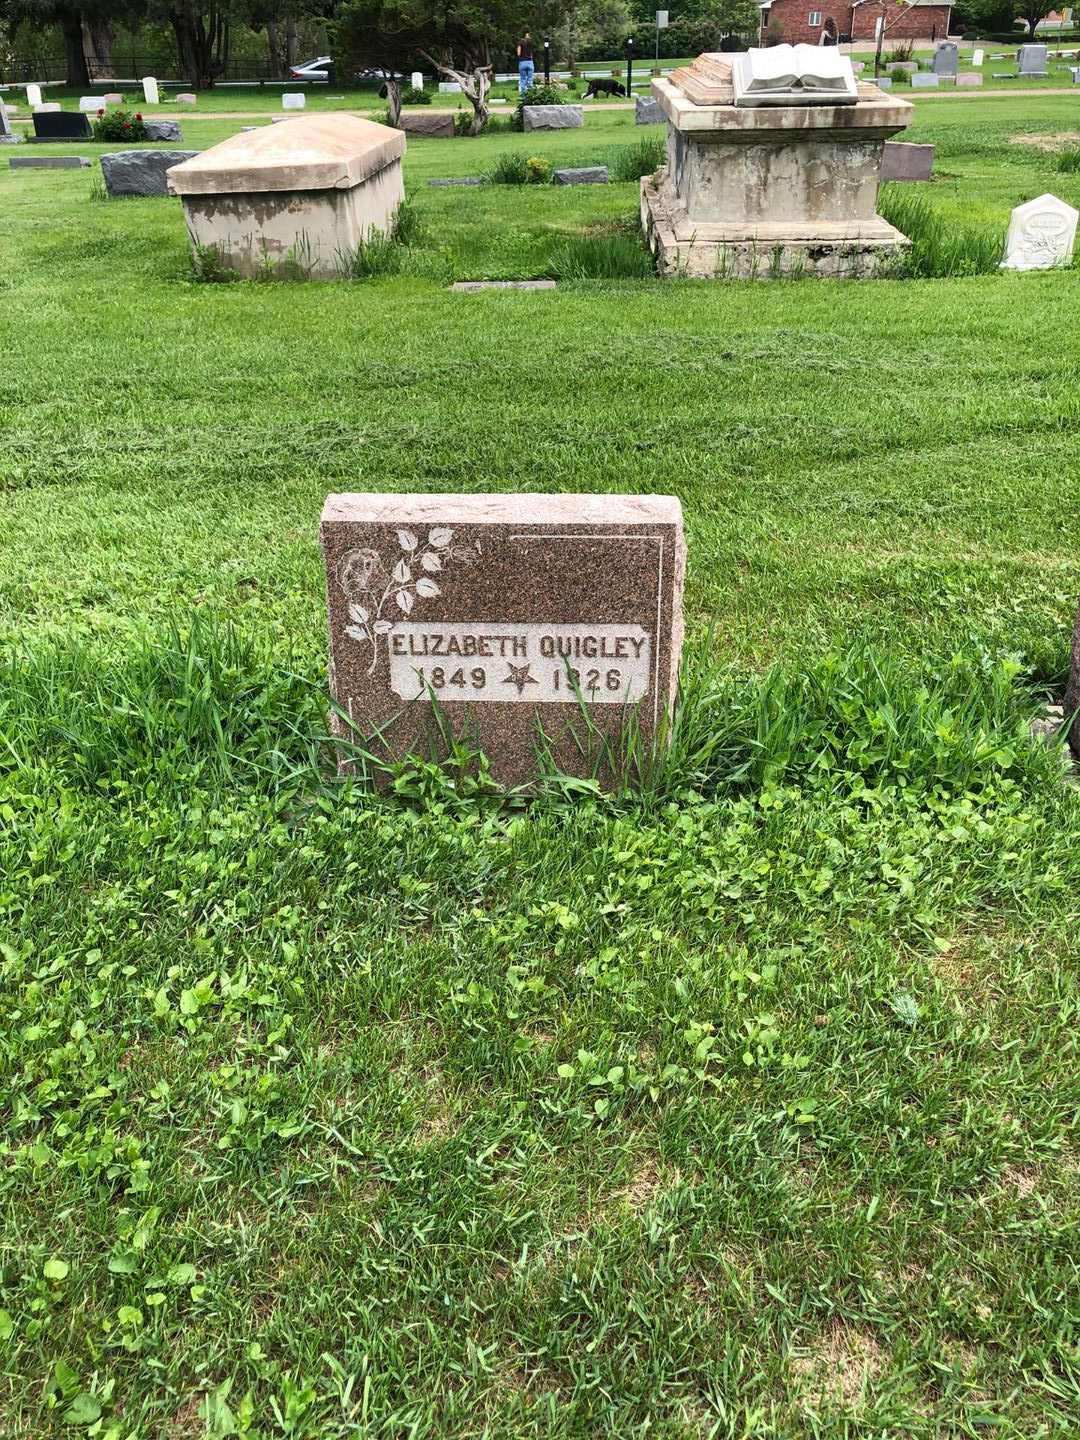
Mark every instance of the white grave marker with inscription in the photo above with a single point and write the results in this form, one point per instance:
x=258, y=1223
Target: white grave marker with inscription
x=1041, y=235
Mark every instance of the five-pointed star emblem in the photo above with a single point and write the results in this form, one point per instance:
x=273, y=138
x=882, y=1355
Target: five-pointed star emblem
x=519, y=676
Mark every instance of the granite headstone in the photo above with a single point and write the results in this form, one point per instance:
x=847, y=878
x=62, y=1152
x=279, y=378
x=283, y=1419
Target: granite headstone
x=520, y=616
x=945, y=58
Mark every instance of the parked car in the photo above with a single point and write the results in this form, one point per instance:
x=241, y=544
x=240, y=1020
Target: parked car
x=318, y=69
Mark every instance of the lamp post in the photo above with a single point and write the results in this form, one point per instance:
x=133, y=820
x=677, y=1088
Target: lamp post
x=629, y=63
x=547, y=62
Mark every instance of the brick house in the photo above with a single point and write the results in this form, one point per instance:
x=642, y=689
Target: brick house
x=830, y=22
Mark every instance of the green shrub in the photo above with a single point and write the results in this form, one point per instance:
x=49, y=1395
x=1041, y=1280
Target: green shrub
x=1069, y=161
x=538, y=94
x=618, y=255
x=631, y=162
x=412, y=96
x=408, y=226
x=537, y=170
x=376, y=254
x=114, y=125
x=509, y=169
x=938, y=248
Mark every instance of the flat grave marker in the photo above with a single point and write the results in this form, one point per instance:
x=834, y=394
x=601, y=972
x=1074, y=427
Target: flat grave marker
x=511, y=612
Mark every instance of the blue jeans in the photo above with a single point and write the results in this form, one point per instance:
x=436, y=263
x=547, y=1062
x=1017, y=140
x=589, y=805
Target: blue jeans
x=526, y=70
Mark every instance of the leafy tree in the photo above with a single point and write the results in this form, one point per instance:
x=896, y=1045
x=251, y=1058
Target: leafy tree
x=69, y=16
x=458, y=38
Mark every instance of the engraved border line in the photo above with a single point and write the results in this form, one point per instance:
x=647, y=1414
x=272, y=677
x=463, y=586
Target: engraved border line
x=657, y=540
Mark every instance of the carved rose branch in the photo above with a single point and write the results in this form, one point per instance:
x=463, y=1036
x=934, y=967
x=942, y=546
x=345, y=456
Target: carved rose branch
x=370, y=586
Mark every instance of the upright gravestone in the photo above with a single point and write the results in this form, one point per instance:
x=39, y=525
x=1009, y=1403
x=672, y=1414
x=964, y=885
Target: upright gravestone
x=1041, y=235
x=33, y=95
x=293, y=100
x=417, y=80
x=150, y=90
x=977, y=58
x=1031, y=60
x=945, y=58
x=6, y=137
x=516, y=620
x=90, y=104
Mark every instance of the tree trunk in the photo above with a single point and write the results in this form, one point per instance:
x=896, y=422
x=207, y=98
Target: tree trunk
x=475, y=84
x=393, y=102
x=272, y=54
x=101, y=38
x=78, y=74
x=290, y=41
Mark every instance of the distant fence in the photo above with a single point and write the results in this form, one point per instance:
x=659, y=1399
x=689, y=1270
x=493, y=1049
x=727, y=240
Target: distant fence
x=24, y=69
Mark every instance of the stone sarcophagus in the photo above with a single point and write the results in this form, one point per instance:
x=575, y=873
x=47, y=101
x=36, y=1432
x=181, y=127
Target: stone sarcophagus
x=772, y=170
x=299, y=197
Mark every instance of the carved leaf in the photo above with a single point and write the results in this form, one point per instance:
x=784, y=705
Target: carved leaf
x=382, y=626
x=402, y=573
x=405, y=600
x=359, y=614
x=440, y=537
x=426, y=587
x=407, y=540
x=357, y=632
x=430, y=561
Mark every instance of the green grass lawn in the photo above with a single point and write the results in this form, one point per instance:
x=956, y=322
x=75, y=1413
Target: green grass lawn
x=743, y=1108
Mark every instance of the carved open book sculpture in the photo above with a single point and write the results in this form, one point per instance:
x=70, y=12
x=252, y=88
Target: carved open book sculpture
x=794, y=75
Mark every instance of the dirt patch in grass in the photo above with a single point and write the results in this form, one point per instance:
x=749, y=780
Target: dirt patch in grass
x=1058, y=141
x=1020, y=1180
x=188, y=1420
x=836, y=1367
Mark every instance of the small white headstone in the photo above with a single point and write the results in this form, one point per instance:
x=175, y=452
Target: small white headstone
x=1041, y=235
x=186, y=98
x=293, y=100
x=49, y=108
x=33, y=95
x=976, y=58
x=449, y=87
x=91, y=102
x=150, y=90
x=417, y=80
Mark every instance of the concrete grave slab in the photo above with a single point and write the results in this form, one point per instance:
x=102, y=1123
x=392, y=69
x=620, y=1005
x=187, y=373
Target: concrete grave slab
x=308, y=191
x=49, y=162
x=509, y=611
x=452, y=181
x=968, y=81
x=925, y=82
x=469, y=286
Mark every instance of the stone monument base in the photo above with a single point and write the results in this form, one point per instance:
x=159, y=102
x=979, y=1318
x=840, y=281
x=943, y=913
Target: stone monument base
x=762, y=250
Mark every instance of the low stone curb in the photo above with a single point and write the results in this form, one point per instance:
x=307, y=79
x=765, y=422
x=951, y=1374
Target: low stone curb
x=467, y=286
